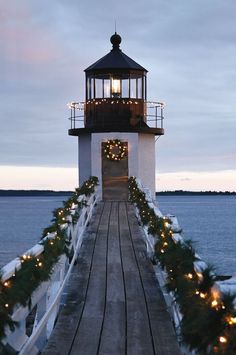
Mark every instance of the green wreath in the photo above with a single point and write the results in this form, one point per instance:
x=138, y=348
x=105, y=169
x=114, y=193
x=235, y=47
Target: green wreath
x=115, y=149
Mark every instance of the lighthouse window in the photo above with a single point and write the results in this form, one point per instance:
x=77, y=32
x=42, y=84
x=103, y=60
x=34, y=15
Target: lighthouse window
x=92, y=88
x=125, y=88
x=107, y=88
x=133, y=88
x=139, y=88
x=99, y=88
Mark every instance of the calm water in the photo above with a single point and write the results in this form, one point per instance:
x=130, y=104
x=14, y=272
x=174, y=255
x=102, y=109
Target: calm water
x=22, y=220
x=208, y=220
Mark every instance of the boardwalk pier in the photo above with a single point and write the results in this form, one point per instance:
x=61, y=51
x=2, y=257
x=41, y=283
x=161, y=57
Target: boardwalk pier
x=114, y=304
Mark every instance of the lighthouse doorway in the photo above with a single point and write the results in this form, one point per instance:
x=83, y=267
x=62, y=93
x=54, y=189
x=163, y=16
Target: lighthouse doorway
x=115, y=176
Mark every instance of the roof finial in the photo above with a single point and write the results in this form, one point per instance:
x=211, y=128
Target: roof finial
x=115, y=40
x=115, y=25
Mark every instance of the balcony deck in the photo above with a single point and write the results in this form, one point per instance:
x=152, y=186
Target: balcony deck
x=114, y=303
x=121, y=115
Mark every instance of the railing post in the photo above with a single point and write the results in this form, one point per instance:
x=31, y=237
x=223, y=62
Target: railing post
x=161, y=116
x=156, y=116
x=41, y=310
x=71, y=124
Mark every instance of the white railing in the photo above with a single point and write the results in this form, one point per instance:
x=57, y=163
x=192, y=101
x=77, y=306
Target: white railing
x=228, y=286
x=47, y=297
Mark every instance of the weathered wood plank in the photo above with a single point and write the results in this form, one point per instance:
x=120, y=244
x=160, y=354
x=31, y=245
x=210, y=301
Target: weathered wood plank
x=62, y=337
x=113, y=342
x=139, y=339
x=87, y=339
x=162, y=329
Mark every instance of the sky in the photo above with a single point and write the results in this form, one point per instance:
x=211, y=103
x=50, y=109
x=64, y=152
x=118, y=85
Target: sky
x=189, y=49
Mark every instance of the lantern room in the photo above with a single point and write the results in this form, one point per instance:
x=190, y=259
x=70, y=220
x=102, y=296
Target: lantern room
x=116, y=90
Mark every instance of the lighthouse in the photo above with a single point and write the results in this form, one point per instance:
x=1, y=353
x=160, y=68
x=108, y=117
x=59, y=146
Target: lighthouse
x=116, y=126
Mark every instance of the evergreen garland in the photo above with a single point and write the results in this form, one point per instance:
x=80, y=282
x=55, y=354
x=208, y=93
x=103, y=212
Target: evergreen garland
x=35, y=270
x=209, y=318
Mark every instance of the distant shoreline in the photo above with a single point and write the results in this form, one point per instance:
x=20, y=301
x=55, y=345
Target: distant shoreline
x=25, y=193
x=195, y=193
x=15, y=193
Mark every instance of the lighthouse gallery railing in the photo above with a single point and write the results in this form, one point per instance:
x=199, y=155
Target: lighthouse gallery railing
x=153, y=115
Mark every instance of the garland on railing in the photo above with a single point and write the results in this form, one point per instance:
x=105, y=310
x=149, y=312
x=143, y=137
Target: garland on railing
x=36, y=269
x=209, y=317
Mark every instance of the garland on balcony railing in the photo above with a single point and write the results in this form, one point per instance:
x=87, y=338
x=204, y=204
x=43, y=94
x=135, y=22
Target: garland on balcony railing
x=209, y=317
x=36, y=269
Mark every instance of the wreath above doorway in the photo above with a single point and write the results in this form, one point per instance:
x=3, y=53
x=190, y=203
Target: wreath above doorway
x=115, y=150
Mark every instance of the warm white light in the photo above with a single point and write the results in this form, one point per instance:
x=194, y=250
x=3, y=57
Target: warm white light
x=115, y=87
x=232, y=320
x=214, y=303
x=222, y=340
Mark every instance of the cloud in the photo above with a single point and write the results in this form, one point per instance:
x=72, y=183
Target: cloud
x=188, y=48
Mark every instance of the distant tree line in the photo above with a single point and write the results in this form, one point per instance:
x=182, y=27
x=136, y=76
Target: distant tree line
x=194, y=193
x=62, y=193
x=34, y=193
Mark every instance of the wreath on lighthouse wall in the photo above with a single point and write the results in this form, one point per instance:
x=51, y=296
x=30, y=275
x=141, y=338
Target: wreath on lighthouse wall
x=115, y=150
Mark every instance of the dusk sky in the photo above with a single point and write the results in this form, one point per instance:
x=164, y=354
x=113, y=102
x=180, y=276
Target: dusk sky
x=189, y=49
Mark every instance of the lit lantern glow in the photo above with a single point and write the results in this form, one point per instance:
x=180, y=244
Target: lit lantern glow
x=115, y=87
x=223, y=340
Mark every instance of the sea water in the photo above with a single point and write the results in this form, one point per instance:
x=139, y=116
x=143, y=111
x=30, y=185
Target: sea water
x=22, y=220
x=210, y=221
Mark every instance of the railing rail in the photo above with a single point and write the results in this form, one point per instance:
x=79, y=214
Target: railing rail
x=47, y=297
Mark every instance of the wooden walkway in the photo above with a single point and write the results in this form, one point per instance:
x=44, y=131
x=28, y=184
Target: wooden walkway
x=114, y=303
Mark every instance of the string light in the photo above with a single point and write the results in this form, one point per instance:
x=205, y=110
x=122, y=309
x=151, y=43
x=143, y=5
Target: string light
x=222, y=339
x=80, y=105
x=214, y=303
x=231, y=320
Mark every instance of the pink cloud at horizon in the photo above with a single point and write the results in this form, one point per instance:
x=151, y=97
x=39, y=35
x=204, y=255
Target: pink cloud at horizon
x=23, y=39
x=59, y=178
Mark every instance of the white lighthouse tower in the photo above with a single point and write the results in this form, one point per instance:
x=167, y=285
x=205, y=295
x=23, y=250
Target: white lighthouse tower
x=116, y=133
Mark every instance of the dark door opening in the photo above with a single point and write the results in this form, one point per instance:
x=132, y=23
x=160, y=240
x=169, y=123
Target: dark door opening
x=115, y=177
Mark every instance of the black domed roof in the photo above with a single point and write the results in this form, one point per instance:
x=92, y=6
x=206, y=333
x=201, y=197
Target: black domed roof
x=115, y=59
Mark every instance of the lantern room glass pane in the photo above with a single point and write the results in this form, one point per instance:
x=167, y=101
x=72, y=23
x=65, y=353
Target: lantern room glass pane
x=133, y=88
x=107, y=88
x=91, y=88
x=99, y=88
x=125, y=88
x=139, y=88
